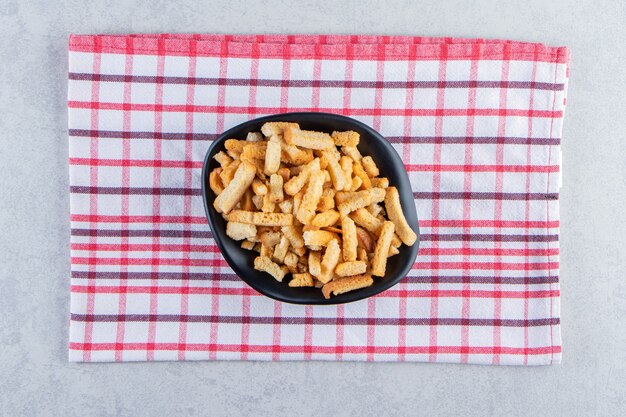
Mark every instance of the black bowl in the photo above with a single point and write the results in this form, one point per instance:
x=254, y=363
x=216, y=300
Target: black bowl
x=390, y=166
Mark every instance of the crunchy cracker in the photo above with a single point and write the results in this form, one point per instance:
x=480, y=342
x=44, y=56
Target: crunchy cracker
x=350, y=242
x=360, y=199
x=350, y=268
x=308, y=139
x=301, y=280
x=326, y=218
x=318, y=237
x=370, y=166
x=306, y=210
x=329, y=261
x=394, y=211
x=347, y=284
x=379, y=261
x=265, y=264
x=276, y=188
x=276, y=128
x=295, y=184
x=231, y=195
x=215, y=182
x=240, y=231
x=260, y=218
x=352, y=152
x=254, y=137
x=348, y=138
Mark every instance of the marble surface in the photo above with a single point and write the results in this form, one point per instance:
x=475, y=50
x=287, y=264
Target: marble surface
x=37, y=380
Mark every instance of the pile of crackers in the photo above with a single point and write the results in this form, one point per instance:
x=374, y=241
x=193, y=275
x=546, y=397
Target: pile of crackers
x=311, y=205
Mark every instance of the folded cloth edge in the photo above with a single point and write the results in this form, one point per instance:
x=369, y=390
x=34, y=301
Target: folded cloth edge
x=318, y=46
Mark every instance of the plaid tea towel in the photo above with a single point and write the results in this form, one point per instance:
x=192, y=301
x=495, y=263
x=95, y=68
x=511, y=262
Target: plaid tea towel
x=477, y=123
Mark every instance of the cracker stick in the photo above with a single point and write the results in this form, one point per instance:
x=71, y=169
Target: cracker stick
x=318, y=237
x=348, y=138
x=258, y=187
x=394, y=211
x=223, y=159
x=356, y=183
x=374, y=209
x=357, y=169
x=291, y=259
x=392, y=251
x=260, y=218
x=315, y=266
x=352, y=152
x=257, y=200
x=330, y=261
x=370, y=166
x=350, y=268
x=231, y=195
x=327, y=178
x=276, y=188
x=293, y=155
x=364, y=218
x=265, y=264
x=311, y=198
x=285, y=173
x=335, y=170
x=332, y=229
x=237, y=146
x=276, y=128
x=297, y=199
x=323, y=161
x=308, y=139
x=300, y=251
x=349, y=239
x=327, y=201
x=344, y=285
x=286, y=206
x=246, y=201
x=265, y=251
x=364, y=240
x=360, y=199
x=382, y=182
x=361, y=254
x=228, y=173
x=268, y=205
x=346, y=165
x=294, y=235
x=248, y=245
x=272, y=158
x=215, y=182
x=295, y=170
x=259, y=164
x=296, y=183
x=280, y=251
x=254, y=150
x=341, y=196
x=240, y=231
x=254, y=137
x=327, y=218
x=379, y=261
x=233, y=154
x=301, y=280
x=269, y=238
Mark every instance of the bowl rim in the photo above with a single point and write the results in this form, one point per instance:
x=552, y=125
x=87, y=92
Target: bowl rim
x=344, y=298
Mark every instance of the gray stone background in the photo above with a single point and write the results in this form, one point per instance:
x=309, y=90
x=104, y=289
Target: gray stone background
x=37, y=380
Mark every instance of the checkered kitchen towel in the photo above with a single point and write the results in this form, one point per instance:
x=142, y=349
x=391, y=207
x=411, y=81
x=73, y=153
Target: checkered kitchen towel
x=477, y=123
